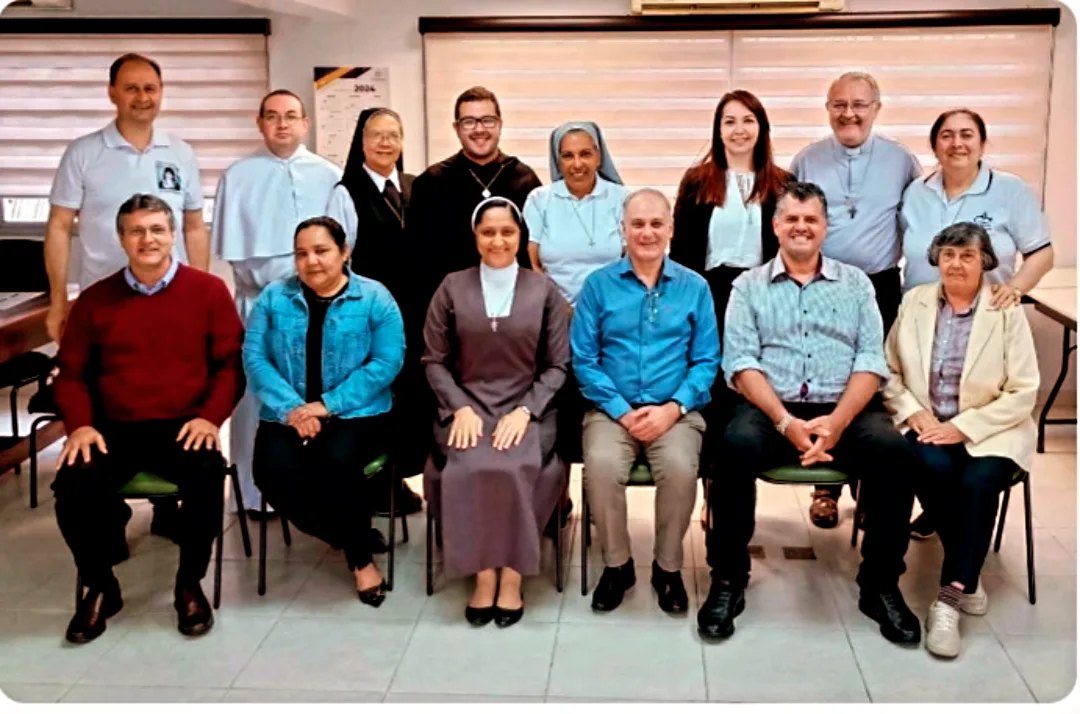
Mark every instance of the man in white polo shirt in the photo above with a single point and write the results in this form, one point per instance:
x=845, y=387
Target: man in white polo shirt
x=101, y=170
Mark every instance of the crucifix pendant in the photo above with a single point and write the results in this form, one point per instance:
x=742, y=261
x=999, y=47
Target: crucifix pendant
x=494, y=325
x=486, y=193
x=850, y=207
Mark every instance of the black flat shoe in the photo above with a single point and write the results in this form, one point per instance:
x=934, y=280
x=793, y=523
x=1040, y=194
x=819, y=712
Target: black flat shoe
x=94, y=608
x=505, y=618
x=670, y=591
x=480, y=616
x=716, y=618
x=194, y=614
x=888, y=609
x=374, y=595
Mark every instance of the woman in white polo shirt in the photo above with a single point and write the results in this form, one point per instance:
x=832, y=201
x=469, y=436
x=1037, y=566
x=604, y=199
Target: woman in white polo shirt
x=966, y=188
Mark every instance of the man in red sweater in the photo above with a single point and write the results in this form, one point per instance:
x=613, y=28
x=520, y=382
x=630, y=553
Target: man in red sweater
x=150, y=367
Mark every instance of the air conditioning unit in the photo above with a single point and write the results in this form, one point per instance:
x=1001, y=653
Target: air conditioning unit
x=725, y=7
x=38, y=4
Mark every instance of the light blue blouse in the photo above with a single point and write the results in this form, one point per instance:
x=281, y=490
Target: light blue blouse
x=575, y=236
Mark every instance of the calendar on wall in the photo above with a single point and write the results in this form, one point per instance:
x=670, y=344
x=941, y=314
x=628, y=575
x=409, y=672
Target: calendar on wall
x=341, y=93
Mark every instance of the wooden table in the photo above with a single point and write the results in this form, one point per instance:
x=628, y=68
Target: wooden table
x=1055, y=297
x=22, y=330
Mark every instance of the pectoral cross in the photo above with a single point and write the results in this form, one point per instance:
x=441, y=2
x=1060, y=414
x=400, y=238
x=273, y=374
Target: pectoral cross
x=850, y=207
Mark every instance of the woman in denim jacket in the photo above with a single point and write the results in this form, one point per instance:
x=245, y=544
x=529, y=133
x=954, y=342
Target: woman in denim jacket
x=321, y=351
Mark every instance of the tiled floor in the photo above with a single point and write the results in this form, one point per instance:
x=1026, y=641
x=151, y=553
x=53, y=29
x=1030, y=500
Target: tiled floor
x=800, y=639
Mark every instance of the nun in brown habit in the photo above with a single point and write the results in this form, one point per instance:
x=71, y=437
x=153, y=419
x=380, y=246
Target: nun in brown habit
x=496, y=352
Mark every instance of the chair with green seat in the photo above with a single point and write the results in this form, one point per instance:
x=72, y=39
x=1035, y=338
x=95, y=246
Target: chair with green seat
x=375, y=466
x=149, y=485
x=813, y=475
x=640, y=475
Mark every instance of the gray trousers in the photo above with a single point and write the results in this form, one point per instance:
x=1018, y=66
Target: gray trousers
x=610, y=452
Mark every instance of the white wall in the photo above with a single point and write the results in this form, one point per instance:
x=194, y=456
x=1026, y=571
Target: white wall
x=384, y=32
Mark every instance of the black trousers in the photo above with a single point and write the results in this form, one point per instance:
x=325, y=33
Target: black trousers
x=91, y=515
x=321, y=487
x=870, y=448
x=887, y=294
x=960, y=492
x=722, y=398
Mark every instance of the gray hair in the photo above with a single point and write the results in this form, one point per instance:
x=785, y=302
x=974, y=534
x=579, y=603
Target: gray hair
x=647, y=191
x=144, y=202
x=960, y=235
x=862, y=77
x=801, y=191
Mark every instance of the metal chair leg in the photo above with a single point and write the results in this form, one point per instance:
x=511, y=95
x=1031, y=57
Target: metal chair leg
x=44, y=419
x=1001, y=518
x=14, y=399
x=856, y=488
x=430, y=534
x=1030, y=540
x=584, y=542
x=262, y=546
x=392, y=522
x=286, y=534
x=241, y=510
x=218, y=555
x=558, y=535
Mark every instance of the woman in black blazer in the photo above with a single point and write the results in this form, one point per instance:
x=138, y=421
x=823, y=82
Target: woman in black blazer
x=723, y=219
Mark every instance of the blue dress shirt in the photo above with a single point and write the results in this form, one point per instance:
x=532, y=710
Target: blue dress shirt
x=806, y=339
x=157, y=287
x=633, y=345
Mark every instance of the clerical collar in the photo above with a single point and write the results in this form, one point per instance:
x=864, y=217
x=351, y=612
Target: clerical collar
x=380, y=180
x=494, y=164
x=853, y=151
x=300, y=152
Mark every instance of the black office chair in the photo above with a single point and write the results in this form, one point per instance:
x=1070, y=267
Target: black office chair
x=1020, y=477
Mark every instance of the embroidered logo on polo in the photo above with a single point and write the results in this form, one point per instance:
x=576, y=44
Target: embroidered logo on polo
x=984, y=220
x=168, y=176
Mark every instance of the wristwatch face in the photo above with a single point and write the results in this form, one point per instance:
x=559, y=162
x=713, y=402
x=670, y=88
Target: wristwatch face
x=682, y=410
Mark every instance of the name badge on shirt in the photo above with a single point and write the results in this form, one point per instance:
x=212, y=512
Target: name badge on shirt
x=168, y=176
x=984, y=220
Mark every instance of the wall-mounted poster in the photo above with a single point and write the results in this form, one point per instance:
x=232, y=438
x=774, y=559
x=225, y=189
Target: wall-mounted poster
x=341, y=93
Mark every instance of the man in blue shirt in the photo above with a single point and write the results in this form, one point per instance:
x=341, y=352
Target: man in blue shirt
x=803, y=346
x=645, y=353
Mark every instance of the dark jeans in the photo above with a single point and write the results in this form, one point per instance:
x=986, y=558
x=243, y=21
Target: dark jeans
x=722, y=399
x=321, y=487
x=887, y=294
x=960, y=493
x=869, y=448
x=91, y=515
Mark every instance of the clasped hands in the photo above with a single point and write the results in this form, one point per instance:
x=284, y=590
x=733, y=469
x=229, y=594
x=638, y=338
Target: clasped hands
x=195, y=434
x=307, y=419
x=649, y=423
x=467, y=429
x=932, y=431
x=814, y=438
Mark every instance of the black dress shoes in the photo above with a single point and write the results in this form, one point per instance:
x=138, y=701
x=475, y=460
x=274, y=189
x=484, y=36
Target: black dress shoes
x=195, y=615
x=716, y=618
x=505, y=618
x=94, y=608
x=670, y=592
x=614, y=582
x=888, y=609
x=479, y=616
x=374, y=595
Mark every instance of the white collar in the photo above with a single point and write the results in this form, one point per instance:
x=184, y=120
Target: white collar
x=498, y=278
x=301, y=152
x=853, y=150
x=380, y=180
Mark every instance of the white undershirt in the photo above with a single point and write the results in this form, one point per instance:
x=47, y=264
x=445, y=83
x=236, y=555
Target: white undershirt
x=734, y=230
x=497, y=284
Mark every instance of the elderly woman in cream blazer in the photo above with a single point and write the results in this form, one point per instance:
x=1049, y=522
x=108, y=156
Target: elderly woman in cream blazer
x=963, y=384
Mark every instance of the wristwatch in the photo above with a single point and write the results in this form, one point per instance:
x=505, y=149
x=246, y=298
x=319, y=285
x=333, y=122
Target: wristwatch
x=683, y=411
x=528, y=412
x=784, y=423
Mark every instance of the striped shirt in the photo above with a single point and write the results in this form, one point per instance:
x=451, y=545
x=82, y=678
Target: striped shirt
x=807, y=339
x=951, y=334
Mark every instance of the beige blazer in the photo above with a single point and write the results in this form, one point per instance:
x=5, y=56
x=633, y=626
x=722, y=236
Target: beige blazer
x=998, y=383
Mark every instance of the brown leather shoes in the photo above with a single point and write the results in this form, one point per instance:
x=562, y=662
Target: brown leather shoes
x=195, y=614
x=824, y=512
x=95, y=607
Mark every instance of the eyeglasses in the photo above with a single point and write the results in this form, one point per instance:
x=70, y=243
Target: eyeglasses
x=275, y=118
x=469, y=123
x=857, y=107
x=390, y=137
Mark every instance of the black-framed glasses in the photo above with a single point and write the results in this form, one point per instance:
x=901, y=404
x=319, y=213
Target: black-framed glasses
x=469, y=123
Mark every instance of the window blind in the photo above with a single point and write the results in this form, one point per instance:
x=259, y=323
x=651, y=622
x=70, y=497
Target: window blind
x=654, y=93
x=53, y=89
